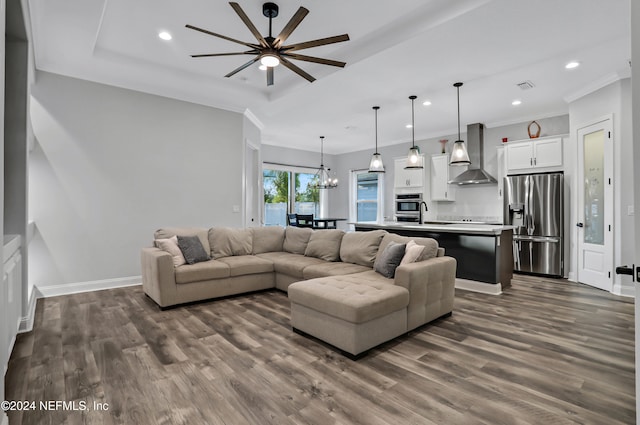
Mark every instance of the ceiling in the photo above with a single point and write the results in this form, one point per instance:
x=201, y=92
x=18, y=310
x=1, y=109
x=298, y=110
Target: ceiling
x=396, y=49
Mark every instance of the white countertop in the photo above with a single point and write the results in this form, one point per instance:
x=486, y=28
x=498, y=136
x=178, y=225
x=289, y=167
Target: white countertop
x=442, y=226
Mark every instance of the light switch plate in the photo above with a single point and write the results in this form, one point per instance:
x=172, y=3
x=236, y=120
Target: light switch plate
x=236, y=208
x=630, y=210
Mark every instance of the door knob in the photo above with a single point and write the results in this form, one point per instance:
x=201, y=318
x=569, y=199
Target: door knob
x=627, y=270
x=580, y=224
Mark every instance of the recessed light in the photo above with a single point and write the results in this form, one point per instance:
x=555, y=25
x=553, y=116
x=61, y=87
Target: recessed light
x=262, y=67
x=572, y=65
x=409, y=126
x=516, y=102
x=165, y=35
x=426, y=103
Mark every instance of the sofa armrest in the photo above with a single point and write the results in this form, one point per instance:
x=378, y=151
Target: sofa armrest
x=431, y=286
x=158, y=276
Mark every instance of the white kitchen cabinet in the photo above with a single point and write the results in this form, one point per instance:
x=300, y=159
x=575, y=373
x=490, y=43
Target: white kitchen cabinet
x=502, y=166
x=441, y=190
x=407, y=178
x=534, y=155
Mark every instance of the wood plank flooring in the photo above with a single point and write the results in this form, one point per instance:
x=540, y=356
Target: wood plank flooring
x=544, y=352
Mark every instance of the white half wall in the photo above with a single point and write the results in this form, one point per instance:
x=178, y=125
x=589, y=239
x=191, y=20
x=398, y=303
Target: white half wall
x=110, y=166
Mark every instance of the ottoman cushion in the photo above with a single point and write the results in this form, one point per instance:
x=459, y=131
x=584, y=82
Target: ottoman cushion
x=355, y=298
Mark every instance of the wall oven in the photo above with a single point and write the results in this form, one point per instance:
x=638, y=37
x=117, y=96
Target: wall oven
x=407, y=207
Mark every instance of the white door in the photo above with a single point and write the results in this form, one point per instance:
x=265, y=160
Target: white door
x=595, y=205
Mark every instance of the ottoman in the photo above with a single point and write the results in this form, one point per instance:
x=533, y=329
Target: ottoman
x=352, y=312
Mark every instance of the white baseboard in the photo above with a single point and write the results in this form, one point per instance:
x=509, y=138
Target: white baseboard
x=95, y=285
x=475, y=286
x=26, y=323
x=571, y=277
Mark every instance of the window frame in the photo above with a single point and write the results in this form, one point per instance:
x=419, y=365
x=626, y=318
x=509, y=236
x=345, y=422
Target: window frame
x=353, y=196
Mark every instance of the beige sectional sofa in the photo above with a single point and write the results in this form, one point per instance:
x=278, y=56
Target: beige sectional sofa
x=334, y=291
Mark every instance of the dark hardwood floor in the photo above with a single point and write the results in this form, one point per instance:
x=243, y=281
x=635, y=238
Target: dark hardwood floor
x=544, y=352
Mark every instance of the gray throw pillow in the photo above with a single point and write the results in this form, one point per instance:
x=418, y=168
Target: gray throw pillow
x=192, y=249
x=387, y=262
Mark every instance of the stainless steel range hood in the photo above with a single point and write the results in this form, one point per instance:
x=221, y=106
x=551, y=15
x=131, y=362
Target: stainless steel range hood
x=475, y=174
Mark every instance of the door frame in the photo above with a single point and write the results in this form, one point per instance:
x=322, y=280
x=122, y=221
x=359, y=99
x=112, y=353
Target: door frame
x=604, y=123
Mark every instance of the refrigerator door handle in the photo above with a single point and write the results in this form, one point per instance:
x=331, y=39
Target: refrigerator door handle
x=550, y=239
x=532, y=225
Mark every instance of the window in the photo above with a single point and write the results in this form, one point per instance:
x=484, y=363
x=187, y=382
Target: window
x=366, y=196
x=289, y=190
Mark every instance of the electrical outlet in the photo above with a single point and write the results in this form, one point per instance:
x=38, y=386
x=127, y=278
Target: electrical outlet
x=630, y=210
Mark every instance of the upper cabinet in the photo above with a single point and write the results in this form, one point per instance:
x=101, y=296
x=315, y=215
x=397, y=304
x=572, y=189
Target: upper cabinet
x=407, y=178
x=534, y=155
x=441, y=190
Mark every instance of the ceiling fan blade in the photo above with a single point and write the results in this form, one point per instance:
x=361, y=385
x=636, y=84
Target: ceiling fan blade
x=249, y=24
x=255, y=46
x=297, y=70
x=315, y=60
x=291, y=25
x=316, y=43
x=206, y=55
x=269, y=76
x=240, y=68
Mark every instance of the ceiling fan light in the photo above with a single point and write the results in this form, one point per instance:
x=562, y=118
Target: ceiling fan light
x=459, y=154
x=270, y=61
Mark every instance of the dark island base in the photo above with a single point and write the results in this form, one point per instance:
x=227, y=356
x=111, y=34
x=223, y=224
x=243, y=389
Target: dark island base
x=481, y=258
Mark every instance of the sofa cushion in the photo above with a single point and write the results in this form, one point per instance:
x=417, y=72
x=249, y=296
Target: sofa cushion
x=291, y=264
x=247, y=264
x=200, y=232
x=412, y=252
x=361, y=247
x=296, y=239
x=332, y=269
x=356, y=298
x=267, y=239
x=192, y=249
x=388, y=261
x=325, y=244
x=170, y=245
x=206, y=270
x=430, y=244
x=225, y=242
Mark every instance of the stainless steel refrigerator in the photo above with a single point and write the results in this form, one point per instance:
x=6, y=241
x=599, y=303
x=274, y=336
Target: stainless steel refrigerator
x=534, y=204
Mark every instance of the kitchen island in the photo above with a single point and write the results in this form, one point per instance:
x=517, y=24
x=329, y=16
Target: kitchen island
x=483, y=251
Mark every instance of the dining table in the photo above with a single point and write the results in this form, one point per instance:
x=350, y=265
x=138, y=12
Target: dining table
x=326, y=222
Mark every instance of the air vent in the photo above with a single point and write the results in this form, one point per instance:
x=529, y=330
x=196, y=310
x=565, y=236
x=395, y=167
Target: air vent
x=525, y=85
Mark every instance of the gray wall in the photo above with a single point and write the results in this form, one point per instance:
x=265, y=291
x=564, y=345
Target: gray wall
x=111, y=165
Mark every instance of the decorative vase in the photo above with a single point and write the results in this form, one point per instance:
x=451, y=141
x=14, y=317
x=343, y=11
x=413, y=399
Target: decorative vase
x=531, y=130
x=443, y=142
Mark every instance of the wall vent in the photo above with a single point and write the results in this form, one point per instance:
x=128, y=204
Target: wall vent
x=525, y=85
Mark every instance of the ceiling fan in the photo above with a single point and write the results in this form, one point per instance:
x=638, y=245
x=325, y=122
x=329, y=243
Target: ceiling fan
x=271, y=51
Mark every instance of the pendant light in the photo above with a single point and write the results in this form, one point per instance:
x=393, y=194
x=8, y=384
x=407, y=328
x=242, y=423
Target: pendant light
x=376, y=165
x=323, y=178
x=414, y=159
x=459, y=154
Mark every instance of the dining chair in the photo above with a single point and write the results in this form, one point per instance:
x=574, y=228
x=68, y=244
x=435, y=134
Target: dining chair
x=292, y=220
x=305, y=220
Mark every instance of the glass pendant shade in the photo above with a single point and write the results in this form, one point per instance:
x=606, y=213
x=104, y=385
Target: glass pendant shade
x=414, y=159
x=376, y=165
x=459, y=154
x=324, y=178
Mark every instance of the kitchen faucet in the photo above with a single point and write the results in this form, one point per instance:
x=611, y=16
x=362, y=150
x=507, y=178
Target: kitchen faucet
x=420, y=210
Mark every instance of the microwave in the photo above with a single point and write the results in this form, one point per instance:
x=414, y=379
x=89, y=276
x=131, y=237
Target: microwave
x=407, y=206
